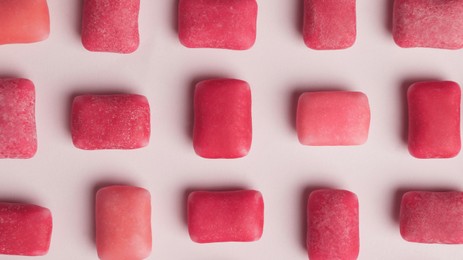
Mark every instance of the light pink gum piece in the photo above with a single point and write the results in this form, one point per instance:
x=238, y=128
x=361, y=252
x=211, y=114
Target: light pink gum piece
x=110, y=121
x=110, y=25
x=226, y=216
x=24, y=21
x=225, y=24
x=18, y=137
x=333, y=118
x=434, y=119
x=332, y=225
x=24, y=229
x=432, y=217
x=329, y=24
x=428, y=23
x=222, y=123
x=123, y=223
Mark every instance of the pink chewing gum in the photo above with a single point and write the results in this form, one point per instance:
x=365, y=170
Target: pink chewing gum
x=225, y=216
x=110, y=121
x=432, y=217
x=333, y=118
x=110, y=25
x=428, y=23
x=222, y=123
x=434, y=119
x=123, y=223
x=24, y=229
x=329, y=24
x=18, y=137
x=332, y=225
x=24, y=21
x=225, y=24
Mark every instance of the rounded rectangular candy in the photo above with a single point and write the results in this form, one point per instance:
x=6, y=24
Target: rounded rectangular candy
x=24, y=229
x=329, y=24
x=110, y=25
x=428, y=23
x=18, y=137
x=222, y=123
x=432, y=217
x=225, y=216
x=24, y=21
x=332, y=225
x=434, y=119
x=333, y=118
x=226, y=24
x=110, y=121
x=123, y=223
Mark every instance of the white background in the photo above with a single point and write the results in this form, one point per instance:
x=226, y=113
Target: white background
x=278, y=68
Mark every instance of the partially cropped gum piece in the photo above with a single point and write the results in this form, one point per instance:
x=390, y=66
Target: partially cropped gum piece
x=24, y=21
x=428, y=23
x=110, y=25
x=225, y=216
x=225, y=24
x=123, y=223
x=329, y=24
x=110, y=121
x=18, y=138
x=332, y=225
x=432, y=217
x=25, y=229
x=434, y=119
x=222, y=123
x=333, y=118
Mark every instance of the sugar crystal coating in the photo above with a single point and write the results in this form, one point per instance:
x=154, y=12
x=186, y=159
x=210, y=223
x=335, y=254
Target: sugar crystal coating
x=434, y=119
x=332, y=225
x=329, y=24
x=18, y=137
x=110, y=25
x=225, y=216
x=24, y=229
x=226, y=24
x=123, y=223
x=432, y=217
x=24, y=21
x=110, y=121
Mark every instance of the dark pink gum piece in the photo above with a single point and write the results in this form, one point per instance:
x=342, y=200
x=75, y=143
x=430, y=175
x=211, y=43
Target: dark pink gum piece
x=432, y=217
x=428, y=23
x=329, y=24
x=225, y=24
x=227, y=216
x=223, y=125
x=434, y=119
x=110, y=121
x=24, y=229
x=110, y=25
x=332, y=225
x=18, y=137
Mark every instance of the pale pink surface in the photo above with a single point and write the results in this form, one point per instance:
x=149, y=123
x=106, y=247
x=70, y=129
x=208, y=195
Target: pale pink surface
x=225, y=216
x=223, y=123
x=110, y=25
x=123, y=223
x=428, y=23
x=18, y=137
x=110, y=121
x=329, y=24
x=24, y=229
x=332, y=225
x=333, y=118
x=24, y=21
x=432, y=217
x=434, y=119
x=227, y=24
